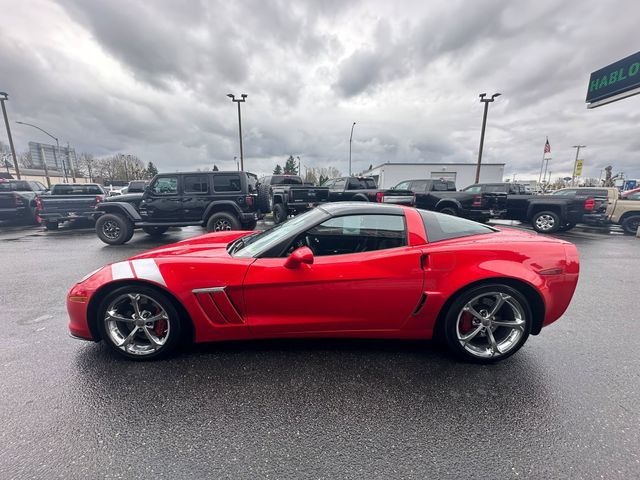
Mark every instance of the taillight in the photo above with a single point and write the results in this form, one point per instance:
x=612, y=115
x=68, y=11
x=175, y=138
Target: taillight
x=98, y=199
x=19, y=201
x=379, y=197
x=38, y=204
x=248, y=200
x=477, y=201
x=589, y=204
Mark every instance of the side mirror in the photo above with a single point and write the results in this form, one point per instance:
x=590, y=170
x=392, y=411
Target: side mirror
x=299, y=256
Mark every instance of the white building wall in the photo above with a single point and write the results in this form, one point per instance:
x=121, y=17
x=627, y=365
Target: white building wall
x=390, y=174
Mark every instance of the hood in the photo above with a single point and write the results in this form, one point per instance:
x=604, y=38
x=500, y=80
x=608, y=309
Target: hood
x=127, y=197
x=204, y=246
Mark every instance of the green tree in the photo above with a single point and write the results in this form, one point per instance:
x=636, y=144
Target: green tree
x=290, y=167
x=322, y=179
x=215, y=168
x=277, y=170
x=152, y=170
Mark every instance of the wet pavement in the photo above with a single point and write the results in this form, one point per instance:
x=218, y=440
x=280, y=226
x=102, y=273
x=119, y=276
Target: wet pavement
x=565, y=406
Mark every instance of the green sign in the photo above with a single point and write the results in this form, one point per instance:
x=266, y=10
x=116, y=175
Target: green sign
x=615, y=80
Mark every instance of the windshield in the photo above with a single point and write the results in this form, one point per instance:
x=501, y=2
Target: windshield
x=255, y=245
x=286, y=180
x=20, y=186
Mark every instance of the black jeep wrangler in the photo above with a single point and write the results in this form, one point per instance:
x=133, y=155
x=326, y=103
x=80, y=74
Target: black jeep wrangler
x=215, y=200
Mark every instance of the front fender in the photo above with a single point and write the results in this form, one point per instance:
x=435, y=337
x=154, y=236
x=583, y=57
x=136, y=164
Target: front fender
x=122, y=208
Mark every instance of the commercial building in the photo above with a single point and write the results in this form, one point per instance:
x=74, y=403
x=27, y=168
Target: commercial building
x=390, y=174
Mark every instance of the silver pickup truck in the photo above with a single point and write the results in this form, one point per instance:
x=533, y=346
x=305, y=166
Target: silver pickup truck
x=69, y=201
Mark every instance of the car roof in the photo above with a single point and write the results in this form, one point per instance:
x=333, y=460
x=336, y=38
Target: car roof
x=367, y=208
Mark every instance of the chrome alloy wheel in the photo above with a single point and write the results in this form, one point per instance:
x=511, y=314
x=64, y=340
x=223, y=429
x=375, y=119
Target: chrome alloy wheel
x=490, y=325
x=137, y=324
x=545, y=222
x=221, y=225
x=111, y=229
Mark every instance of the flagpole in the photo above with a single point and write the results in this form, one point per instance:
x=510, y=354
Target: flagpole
x=542, y=164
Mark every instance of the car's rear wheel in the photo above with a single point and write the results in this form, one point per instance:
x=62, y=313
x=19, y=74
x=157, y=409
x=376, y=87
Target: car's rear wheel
x=222, y=221
x=545, y=222
x=488, y=323
x=114, y=229
x=449, y=211
x=279, y=213
x=139, y=322
x=631, y=224
x=154, y=231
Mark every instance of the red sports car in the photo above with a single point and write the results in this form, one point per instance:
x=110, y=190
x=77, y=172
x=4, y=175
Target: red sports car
x=339, y=270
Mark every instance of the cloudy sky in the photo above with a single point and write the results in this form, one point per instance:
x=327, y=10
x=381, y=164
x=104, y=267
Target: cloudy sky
x=151, y=77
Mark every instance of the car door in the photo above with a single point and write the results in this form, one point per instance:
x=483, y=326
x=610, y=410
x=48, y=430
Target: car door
x=196, y=196
x=364, y=278
x=162, y=202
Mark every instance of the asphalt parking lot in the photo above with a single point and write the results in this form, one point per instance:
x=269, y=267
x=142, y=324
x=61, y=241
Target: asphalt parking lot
x=566, y=406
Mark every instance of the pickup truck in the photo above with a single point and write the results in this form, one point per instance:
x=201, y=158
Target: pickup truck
x=215, y=200
x=365, y=189
x=288, y=195
x=17, y=199
x=610, y=208
x=68, y=201
x=442, y=196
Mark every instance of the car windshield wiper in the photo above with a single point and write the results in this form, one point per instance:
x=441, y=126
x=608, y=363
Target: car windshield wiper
x=239, y=244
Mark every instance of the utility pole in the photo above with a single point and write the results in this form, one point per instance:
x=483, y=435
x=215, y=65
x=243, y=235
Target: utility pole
x=5, y=96
x=240, y=100
x=299, y=166
x=350, y=141
x=486, y=102
x=545, y=170
x=575, y=163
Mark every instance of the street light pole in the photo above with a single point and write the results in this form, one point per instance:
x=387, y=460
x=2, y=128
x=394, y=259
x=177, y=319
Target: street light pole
x=64, y=168
x=239, y=101
x=575, y=163
x=299, y=166
x=350, y=141
x=5, y=96
x=486, y=102
x=546, y=165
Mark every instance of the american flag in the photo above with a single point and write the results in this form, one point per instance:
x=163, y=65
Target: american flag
x=547, y=147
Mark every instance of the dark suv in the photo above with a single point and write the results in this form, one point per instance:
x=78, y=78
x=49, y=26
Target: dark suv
x=215, y=200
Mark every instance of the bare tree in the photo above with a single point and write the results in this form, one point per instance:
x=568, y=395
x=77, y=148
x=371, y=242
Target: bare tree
x=87, y=165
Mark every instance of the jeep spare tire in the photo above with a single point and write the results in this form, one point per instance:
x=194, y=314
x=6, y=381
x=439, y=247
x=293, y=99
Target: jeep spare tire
x=264, y=194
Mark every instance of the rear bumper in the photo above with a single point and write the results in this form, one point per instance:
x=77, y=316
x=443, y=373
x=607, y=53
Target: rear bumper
x=595, y=218
x=481, y=214
x=399, y=200
x=61, y=217
x=250, y=216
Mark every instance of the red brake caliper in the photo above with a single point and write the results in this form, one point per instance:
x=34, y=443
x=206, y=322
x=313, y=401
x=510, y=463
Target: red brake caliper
x=466, y=324
x=160, y=328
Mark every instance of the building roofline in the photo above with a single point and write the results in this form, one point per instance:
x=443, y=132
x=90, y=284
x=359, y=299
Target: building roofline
x=427, y=163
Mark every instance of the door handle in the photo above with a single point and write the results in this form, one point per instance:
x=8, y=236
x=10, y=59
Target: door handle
x=424, y=261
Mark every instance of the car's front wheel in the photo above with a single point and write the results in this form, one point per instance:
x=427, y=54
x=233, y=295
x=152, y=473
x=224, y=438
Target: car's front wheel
x=488, y=323
x=114, y=229
x=279, y=213
x=139, y=322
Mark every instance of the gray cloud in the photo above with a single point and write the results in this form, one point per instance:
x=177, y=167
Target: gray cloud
x=151, y=77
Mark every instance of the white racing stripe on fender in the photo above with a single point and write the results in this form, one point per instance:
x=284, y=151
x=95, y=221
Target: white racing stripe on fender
x=121, y=270
x=146, y=268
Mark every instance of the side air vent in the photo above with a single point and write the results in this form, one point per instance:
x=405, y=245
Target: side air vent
x=217, y=305
x=423, y=298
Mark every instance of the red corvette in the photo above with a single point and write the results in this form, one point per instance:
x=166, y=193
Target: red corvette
x=339, y=270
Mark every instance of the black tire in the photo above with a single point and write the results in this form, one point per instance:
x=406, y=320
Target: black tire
x=509, y=338
x=449, y=211
x=51, y=225
x=630, y=224
x=114, y=229
x=154, y=231
x=264, y=198
x=546, y=222
x=250, y=225
x=279, y=213
x=222, y=221
x=169, y=333
x=566, y=227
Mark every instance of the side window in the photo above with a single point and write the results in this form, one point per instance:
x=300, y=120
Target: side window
x=226, y=183
x=634, y=196
x=354, y=234
x=196, y=184
x=404, y=185
x=445, y=227
x=328, y=183
x=339, y=184
x=165, y=186
x=473, y=189
x=354, y=184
